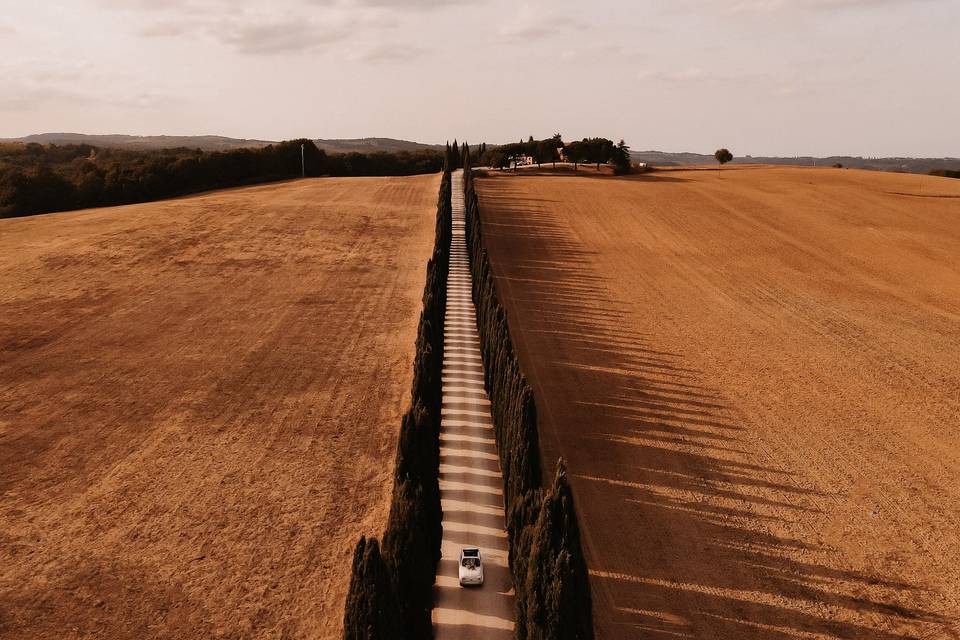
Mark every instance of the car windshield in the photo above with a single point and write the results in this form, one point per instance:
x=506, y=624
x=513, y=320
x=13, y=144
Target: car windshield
x=471, y=563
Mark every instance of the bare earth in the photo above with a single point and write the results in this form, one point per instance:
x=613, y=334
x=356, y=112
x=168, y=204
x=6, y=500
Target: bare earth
x=755, y=379
x=199, y=402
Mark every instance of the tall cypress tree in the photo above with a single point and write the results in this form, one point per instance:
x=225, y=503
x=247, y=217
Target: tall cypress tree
x=559, y=605
x=371, y=609
x=410, y=557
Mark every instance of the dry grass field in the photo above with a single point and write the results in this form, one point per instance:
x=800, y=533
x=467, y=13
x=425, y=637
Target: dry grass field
x=199, y=402
x=755, y=380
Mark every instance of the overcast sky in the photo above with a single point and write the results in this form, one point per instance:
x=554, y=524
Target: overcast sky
x=779, y=77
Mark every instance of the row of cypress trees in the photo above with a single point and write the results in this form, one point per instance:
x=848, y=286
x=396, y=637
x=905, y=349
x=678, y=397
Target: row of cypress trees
x=546, y=557
x=391, y=586
x=456, y=155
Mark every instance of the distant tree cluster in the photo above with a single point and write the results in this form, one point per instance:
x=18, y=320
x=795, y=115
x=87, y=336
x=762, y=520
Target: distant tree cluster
x=541, y=151
x=722, y=156
x=38, y=178
x=551, y=150
x=549, y=571
x=599, y=151
x=458, y=155
x=391, y=588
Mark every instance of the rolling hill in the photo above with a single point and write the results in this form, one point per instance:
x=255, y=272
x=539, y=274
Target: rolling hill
x=217, y=143
x=904, y=165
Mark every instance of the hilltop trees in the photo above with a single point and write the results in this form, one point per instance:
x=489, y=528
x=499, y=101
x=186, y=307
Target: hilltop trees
x=556, y=143
x=501, y=157
x=547, y=151
x=596, y=151
x=620, y=157
x=590, y=150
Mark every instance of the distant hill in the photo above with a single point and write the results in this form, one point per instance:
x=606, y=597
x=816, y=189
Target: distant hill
x=118, y=141
x=216, y=143
x=371, y=145
x=908, y=165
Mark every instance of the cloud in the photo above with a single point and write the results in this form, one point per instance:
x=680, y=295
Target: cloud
x=267, y=38
x=389, y=52
x=291, y=26
x=690, y=74
x=783, y=6
x=396, y=5
x=256, y=34
x=537, y=21
x=27, y=98
x=167, y=29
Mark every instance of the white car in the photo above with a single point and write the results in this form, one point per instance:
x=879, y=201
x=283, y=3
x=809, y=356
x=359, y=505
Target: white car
x=471, y=567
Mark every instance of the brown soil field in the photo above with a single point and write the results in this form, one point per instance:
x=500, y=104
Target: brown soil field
x=199, y=405
x=755, y=380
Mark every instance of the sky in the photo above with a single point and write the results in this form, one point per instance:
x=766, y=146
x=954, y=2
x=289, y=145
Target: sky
x=761, y=77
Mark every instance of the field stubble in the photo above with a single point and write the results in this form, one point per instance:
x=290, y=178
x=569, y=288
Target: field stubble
x=753, y=378
x=199, y=404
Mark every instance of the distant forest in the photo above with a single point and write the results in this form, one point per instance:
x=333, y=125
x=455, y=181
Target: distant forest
x=36, y=178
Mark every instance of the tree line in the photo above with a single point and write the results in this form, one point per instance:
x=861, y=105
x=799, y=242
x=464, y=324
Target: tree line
x=551, y=585
x=37, y=178
x=945, y=173
x=391, y=585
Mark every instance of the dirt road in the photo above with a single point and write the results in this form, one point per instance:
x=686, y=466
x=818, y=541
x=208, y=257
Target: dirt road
x=471, y=485
x=199, y=404
x=754, y=379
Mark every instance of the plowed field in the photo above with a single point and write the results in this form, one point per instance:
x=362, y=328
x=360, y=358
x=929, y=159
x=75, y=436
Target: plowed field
x=755, y=380
x=199, y=402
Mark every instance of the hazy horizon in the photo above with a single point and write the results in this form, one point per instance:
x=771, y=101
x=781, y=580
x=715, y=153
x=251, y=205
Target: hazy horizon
x=761, y=77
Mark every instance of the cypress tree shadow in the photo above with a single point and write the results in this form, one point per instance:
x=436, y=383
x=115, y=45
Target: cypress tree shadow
x=675, y=530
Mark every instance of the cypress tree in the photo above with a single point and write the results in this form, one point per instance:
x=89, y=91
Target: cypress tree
x=559, y=605
x=370, y=612
x=410, y=556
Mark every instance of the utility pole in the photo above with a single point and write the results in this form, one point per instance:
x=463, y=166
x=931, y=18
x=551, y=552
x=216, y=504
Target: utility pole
x=303, y=165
